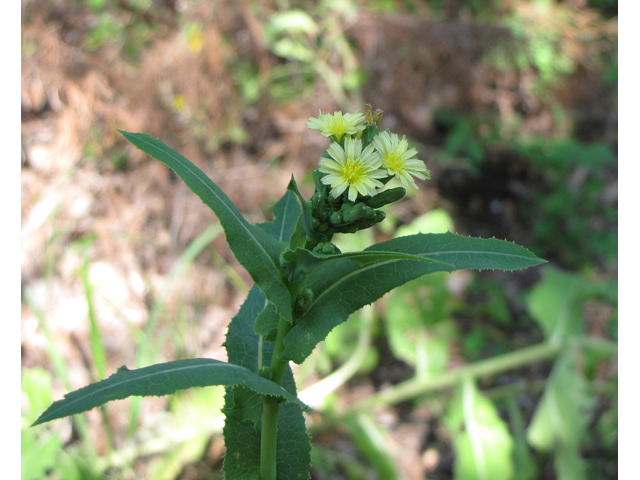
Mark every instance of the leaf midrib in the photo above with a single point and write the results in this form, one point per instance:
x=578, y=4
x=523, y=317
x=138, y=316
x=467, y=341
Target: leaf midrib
x=387, y=262
x=137, y=378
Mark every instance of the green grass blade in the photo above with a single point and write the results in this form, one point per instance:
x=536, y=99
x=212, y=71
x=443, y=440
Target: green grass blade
x=162, y=379
x=98, y=351
x=60, y=367
x=254, y=248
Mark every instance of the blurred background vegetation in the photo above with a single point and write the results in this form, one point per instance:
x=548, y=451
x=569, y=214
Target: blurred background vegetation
x=511, y=103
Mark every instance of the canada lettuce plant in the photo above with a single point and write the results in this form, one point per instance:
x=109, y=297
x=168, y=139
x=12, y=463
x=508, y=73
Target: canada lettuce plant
x=304, y=287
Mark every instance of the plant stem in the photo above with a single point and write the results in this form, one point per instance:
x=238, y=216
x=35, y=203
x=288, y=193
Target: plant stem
x=417, y=386
x=271, y=408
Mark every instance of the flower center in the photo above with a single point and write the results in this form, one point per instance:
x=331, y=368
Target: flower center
x=394, y=162
x=353, y=170
x=338, y=125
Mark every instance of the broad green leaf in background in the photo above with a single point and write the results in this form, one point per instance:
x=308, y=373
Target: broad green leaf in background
x=484, y=446
x=569, y=465
x=555, y=304
x=418, y=322
x=39, y=453
x=287, y=32
x=356, y=334
x=608, y=423
x=243, y=408
x=525, y=466
x=37, y=385
x=254, y=248
x=161, y=379
x=290, y=21
x=373, y=444
x=343, y=286
x=561, y=416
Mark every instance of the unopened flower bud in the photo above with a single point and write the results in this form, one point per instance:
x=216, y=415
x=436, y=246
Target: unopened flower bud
x=370, y=117
x=336, y=218
x=385, y=198
x=370, y=222
x=317, y=204
x=351, y=228
x=355, y=213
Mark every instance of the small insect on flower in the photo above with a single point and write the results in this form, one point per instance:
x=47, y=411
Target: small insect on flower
x=398, y=160
x=337, y=124
x=352, y=168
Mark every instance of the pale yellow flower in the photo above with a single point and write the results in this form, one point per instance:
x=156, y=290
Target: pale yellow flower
x=398, y=160
x=337, y=124
x=352, y=168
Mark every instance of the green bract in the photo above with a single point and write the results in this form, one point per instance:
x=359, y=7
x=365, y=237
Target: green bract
x=304, y=287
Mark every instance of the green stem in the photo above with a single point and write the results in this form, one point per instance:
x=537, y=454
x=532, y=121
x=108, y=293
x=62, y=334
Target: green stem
x=271, y=408
x=417, y=386
x=269, y=439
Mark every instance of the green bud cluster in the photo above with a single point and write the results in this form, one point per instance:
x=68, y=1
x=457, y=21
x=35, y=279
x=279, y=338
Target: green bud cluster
x=331, y=215
x=326, y=248
x=304, y=299
x=338, y=215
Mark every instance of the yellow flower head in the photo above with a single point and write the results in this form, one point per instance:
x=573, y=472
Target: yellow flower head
x=351, y=167
x=398, y=161
x=337, y=124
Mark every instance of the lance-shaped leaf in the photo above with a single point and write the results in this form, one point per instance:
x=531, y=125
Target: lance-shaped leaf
x=254, y=248
x=307, y=223
x=286, y=213
x=462, y=252
x=343, y=286
x=305, y=260
x=161, y=379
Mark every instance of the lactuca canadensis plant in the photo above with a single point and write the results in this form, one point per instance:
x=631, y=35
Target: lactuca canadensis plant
x=304, y=287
